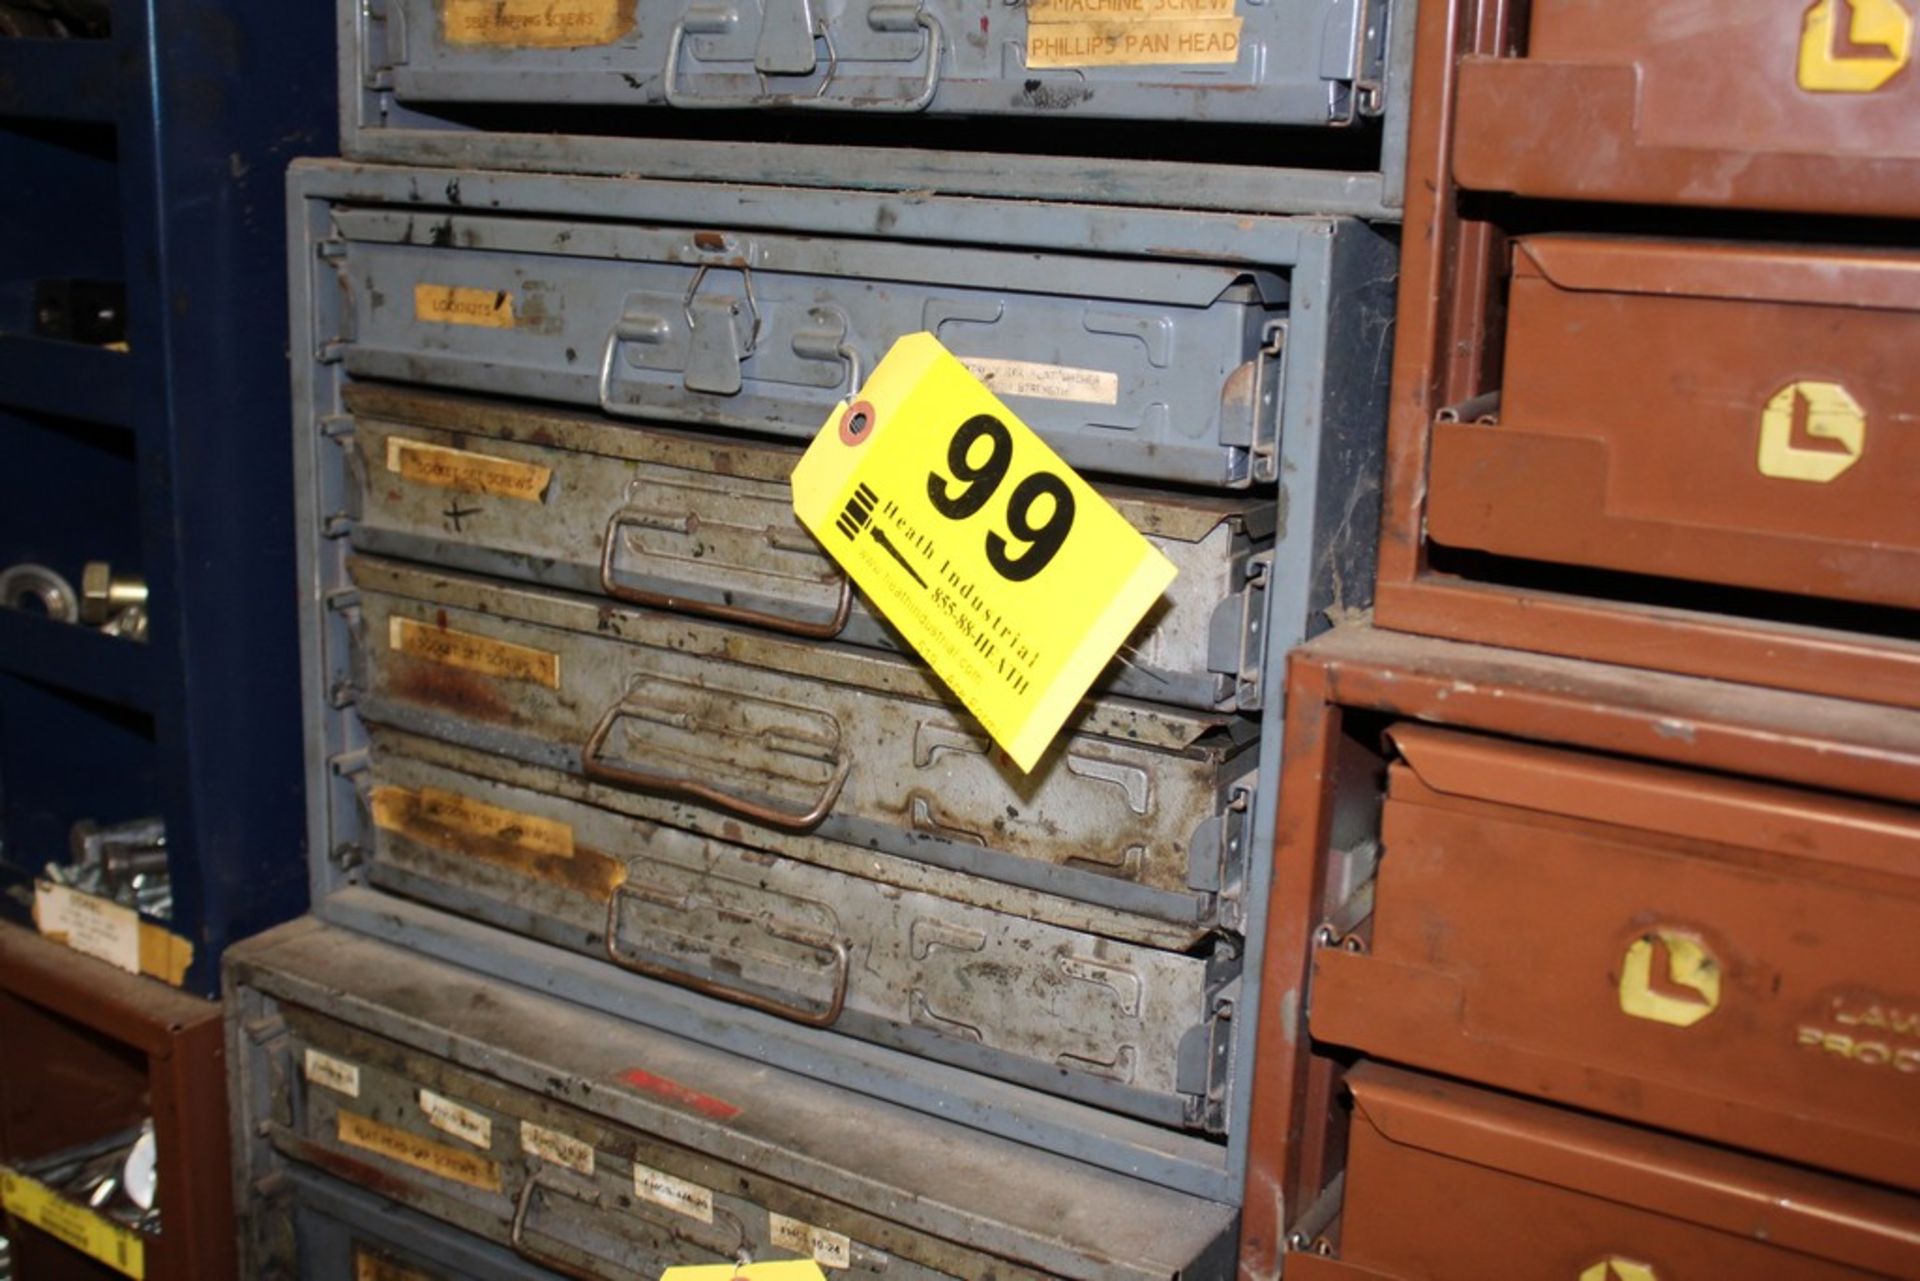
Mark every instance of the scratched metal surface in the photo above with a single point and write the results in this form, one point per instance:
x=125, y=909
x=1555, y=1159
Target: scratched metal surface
x=757, y=1138
x=747, y=330
x=1124, y=1027
x=706, y=525
x=1311, y=63
x=1133, y=808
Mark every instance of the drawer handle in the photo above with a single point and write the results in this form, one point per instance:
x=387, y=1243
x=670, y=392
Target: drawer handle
x=933, y=37
x=517, y=1237
x=807, y=1015
x=746, y=807
x=726, y=613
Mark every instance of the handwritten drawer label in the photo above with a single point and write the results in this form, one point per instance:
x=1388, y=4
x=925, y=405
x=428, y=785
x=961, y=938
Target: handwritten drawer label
x=422, y=1154
x=829, y=1249
x=337, y=1075
x=462, y=1123
x=1045, y=382
x=556, y=1148
x=677, y=1195
x=467, y=472
x=474, y=652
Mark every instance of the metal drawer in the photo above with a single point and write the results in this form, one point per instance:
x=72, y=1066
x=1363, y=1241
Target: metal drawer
x=1127, y=1028
x=602, y=1149
x=1304, y=62
x=344, y=1233
x=1721, y=413
x=1536, y=1192
x=1723, y=958
x=705, y=525
x=1140, y=808
x=1159, y=369
x=1806, y=106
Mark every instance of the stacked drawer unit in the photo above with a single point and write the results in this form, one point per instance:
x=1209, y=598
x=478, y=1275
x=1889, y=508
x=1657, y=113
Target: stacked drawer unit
x=1621, y=960
x=590, y=714
x=1621, y=956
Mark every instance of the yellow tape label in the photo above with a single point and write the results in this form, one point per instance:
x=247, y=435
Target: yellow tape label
x=368, y=1266
x=466, y=472
x=398, y=810
x=535, y=24
x=556, y=1148
x=473, y=652
x=456, y=305
x=677, y=1195
x=337, y=1075
x=463, y=1123
x=90, y=925
x=1045, y=382
x=120, y=1248
x=828, y=1249
x=1175, y=42
x=782, y=1270
x=437, y=1159
x=1007, y=573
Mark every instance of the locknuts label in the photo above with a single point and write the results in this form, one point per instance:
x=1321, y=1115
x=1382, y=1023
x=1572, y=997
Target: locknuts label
x=454, y=305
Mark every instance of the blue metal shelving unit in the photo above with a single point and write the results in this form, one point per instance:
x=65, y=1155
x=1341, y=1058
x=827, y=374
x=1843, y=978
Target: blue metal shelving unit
x=156, y=157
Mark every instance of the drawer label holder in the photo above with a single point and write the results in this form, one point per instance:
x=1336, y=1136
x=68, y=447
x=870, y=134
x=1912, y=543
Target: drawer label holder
x=1004, y=570
x=437, y=1159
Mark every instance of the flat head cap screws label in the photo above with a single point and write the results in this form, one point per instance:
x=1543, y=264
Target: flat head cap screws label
x=337, y=1075
x=1010, y=576
x=466, y=472
x=438, y=1159
x=535, y=24
x=475, y=653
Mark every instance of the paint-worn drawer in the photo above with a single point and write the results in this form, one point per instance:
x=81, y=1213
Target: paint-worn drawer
x=1159, y=369
x=1735, y=415
x=1139, y=808
x=705, y=525
x=1807, y=105
x=344, y=1233
x=1722, y=958
x=1532, y=1191
x=1302, y=62
x=601, y=1149
x=1127, y=1028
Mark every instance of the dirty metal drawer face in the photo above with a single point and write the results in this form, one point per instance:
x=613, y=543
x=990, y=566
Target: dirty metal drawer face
x=1294, y=63
x=1127, y=1028
x=1724, y=414
x=704, y=525
x=616, y=1148
x=1808, y=105
x=1727, y=959
x=1140, y=809
x=1158, y=369
x=1536, y=1192
x=344, y=1233
x=559, y=1187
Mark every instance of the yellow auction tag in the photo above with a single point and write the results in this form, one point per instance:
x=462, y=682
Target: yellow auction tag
x=782, y=1270
x=1006, y=571
x=120, y=1248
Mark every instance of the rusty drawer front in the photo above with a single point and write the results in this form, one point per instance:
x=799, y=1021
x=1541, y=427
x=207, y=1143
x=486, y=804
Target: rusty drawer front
x=453, y=1145
x=1277, y=64
x=705, y=525
x=1140, y=809
x=599, y=1148
x=1725, y=959
x=1806, y=106
x=1126, y=1028
x=344, y=1233
x=1159, y=369
x=1724, y=414
x=1532, y=1191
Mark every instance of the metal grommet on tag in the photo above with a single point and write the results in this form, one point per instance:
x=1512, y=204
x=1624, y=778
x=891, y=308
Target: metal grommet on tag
x=857, y=423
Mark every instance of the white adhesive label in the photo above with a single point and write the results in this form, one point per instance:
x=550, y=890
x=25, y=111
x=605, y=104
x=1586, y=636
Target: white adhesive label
x=1045, y=382
x=677, y=1195
x=556, y=1148
x=94, y=926
x=337, y=1075
x=462, y=1123
x=828, y=1249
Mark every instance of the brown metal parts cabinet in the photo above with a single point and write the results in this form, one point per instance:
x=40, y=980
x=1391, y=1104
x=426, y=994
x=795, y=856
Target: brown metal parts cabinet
x=1655, y=448
x=1791, y=104
x=1682, y=909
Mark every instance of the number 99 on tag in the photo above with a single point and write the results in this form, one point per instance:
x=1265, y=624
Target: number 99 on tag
x=1005, y=571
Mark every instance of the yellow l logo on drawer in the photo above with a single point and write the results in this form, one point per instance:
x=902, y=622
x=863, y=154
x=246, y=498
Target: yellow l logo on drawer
x=1005, y=571
x=1669, y=977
